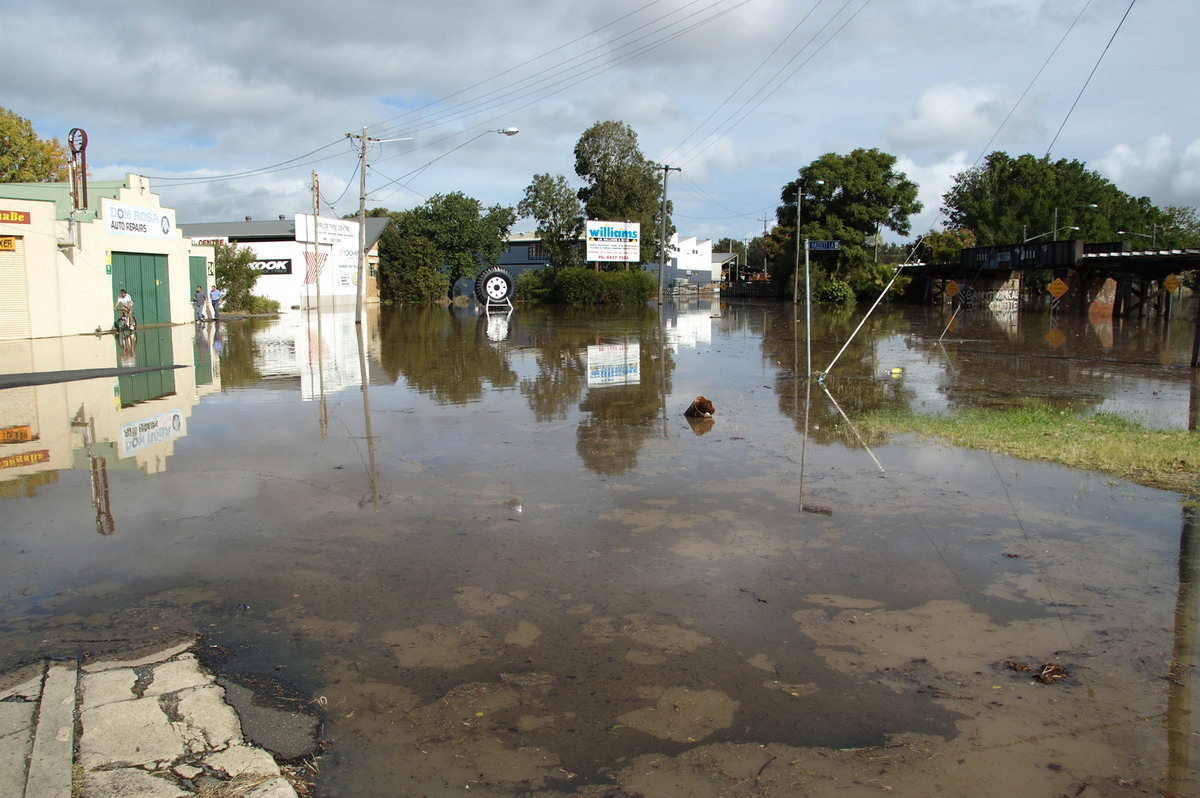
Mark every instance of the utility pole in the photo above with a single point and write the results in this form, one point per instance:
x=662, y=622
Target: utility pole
x=764, y=220
x=362, y=221
x=662, y=232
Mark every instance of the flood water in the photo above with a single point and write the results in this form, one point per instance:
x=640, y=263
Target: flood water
x=505, y=563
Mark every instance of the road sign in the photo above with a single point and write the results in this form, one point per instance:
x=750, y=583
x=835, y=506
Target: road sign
x=824, y=244
x=1171, y=283
x=1057, y=288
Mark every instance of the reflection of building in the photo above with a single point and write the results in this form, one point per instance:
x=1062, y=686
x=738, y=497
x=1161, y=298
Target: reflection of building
x=61, y=267
x=104, y=424
x=294, y=270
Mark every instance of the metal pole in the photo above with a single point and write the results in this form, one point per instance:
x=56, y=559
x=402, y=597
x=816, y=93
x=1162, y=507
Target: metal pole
x=362, y=227
x=796, y=268
x=807, y=312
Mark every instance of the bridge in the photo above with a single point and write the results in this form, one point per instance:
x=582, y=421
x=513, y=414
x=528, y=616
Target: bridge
x=1108, y=279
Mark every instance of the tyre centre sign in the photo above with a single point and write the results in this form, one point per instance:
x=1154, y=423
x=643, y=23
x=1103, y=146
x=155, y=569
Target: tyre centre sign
x=614, y=241
x=276, y=266
x=132, y=220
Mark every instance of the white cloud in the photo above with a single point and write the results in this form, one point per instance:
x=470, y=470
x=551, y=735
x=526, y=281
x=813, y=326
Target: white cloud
x=1157, y=168
x=953, y=115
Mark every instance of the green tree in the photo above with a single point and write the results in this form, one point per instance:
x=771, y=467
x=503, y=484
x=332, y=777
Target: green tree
x=849, y=198
x=235, y=274
x=620, y=184
x=421, y=281
x=25, y=158
x=1008, y=200
x=467, y=237
x=945, y=246
x=559, y=214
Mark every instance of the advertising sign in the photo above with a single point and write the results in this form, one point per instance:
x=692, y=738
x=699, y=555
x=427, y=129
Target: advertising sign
x=8, y=244
x=149, y=431
x=15, y=217
x=614, y=364
x=133, y=220
x=341, y=237
x=614, y=241
x=25, y=459
x=276, y=266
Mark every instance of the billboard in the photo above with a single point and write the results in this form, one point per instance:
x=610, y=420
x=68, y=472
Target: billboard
x=614, y=241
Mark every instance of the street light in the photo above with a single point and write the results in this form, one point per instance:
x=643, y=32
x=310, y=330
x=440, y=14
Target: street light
x=1153, y=236
x=796, y=270
x=1057, y=228
x=1049, y=232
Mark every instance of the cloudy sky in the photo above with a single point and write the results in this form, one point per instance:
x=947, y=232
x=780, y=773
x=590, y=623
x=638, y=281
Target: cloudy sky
x=230, y=107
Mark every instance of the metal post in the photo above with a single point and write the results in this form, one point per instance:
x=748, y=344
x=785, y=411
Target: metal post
x=362, y=227
x=807, y=312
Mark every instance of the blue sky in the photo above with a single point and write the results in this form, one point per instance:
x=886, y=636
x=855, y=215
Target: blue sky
x=231, y=106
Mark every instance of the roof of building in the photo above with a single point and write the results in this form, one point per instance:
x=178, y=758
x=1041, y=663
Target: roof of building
x=60, y=195
x=269, y=230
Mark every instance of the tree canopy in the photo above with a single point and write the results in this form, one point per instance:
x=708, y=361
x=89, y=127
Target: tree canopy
x=1008, y=200
x=620, y=184
x=466, y=237
x=559, y=214
x=848, y=198
x=25, y=158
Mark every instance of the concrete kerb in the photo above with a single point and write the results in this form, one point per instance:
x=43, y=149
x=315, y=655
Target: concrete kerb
x=153, y=725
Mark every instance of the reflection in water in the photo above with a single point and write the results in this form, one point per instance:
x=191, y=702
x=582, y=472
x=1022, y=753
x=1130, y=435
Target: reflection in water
x=1180, y=737
x=557, y=598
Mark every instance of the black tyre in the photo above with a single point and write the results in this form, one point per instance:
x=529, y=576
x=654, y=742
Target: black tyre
x=495, y=284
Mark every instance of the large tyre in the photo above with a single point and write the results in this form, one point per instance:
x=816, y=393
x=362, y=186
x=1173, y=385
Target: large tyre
x=495, y=284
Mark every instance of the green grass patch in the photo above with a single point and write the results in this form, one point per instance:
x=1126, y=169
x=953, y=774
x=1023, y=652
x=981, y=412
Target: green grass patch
x=1104, y=442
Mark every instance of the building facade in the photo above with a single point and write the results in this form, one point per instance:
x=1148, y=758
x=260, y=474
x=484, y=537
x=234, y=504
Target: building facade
x=300, y=269
x=62, y=266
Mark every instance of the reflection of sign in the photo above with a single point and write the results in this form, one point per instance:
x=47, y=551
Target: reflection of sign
x=614, y=241
x=16, y=434
x=824, y=244
x=1057, y=288
x=614, y=364
x=1171, y=283
x=15, y=217
x=149, y=431
x=8, y=244
x=25, y=459
x=277, y=266
x=1055, y=337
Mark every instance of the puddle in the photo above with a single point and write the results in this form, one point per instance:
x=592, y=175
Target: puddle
x=510, y=565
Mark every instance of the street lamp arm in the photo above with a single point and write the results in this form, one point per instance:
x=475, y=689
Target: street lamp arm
x=1048, y=233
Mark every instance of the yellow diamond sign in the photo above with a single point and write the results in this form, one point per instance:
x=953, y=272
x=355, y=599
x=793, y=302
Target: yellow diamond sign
x=951, y=289
x=1057, y=288
x=1171, y=283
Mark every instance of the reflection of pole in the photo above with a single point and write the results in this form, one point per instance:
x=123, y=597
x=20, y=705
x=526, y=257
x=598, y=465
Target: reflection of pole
x=1194, y=401
x=316, y=265
x=662, y=368
x=807, y=314
x=99, y=479
x=362, y=366
x=1183, y=658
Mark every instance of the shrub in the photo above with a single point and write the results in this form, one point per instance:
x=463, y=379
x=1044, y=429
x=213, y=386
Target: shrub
x=835, y=290
x=583, y=287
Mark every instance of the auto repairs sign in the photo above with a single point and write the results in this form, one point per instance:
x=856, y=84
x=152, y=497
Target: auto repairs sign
x=132, y=220
x=149, y=431
x=614, y=241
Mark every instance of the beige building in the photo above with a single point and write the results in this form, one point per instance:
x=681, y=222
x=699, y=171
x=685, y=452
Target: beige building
x=61, y=268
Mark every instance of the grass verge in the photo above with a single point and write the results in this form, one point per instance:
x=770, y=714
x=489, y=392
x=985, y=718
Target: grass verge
x=1104, y=442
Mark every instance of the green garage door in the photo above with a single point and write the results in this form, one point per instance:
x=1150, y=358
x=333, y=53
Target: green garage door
x=144, y=276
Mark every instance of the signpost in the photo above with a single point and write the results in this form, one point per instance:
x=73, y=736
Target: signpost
x=809, y=246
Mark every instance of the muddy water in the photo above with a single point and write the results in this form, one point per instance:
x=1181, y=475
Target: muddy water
x=511, y=566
